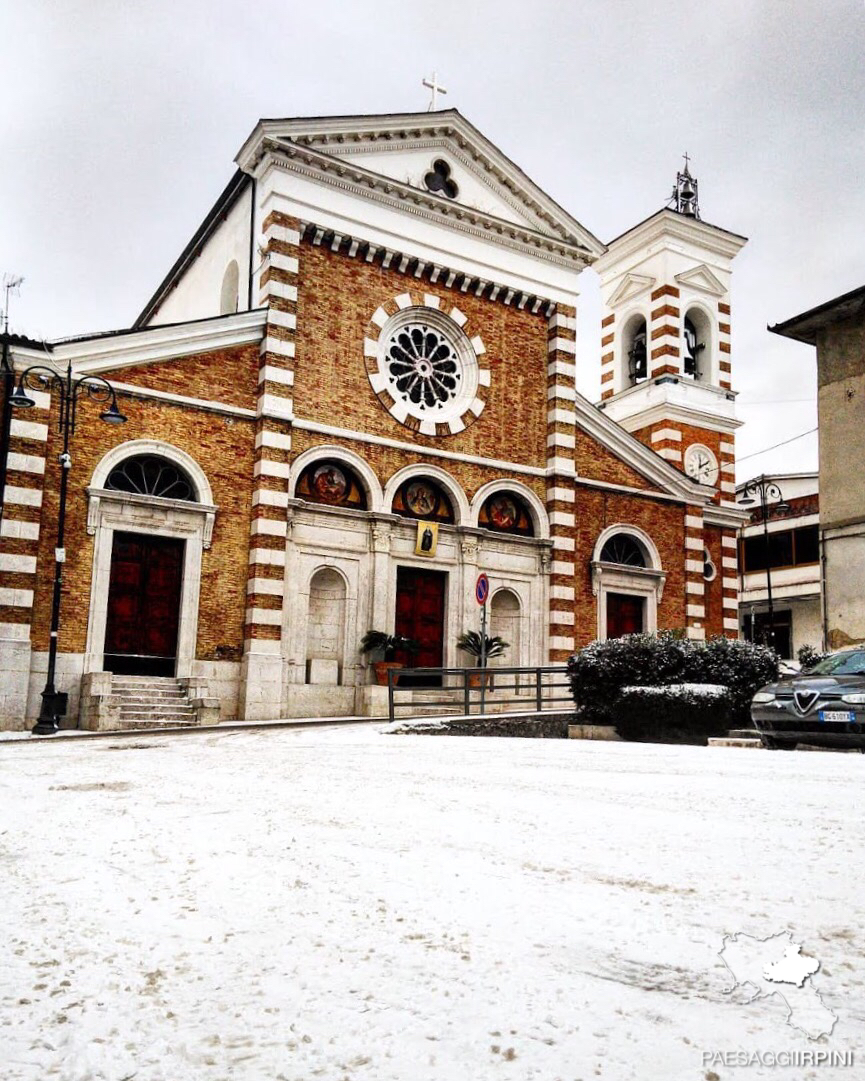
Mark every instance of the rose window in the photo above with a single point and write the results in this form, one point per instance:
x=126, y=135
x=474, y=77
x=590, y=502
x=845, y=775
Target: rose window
x=425, y=369
x=423, y=366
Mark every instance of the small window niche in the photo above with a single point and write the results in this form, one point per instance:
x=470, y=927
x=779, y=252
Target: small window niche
x=229, y=297
x=635, y=354
x=696, y=346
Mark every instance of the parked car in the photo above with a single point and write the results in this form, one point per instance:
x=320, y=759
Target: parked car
x=824, y=705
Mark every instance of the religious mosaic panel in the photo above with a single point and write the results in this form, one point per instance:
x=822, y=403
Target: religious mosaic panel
x=420, y=497
x=506, y=512
x=331, y=483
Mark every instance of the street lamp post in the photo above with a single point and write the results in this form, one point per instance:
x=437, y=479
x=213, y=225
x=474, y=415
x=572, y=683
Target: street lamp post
x=39, y=376
x=767, y=492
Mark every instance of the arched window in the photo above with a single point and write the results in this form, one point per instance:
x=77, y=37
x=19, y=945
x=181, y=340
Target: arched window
x=148, y=474
x=506, y=512
x=624, y=550
x=332, y=483
x=635, y=354
x=229, y=297
x=696, y=354
x=420, y=497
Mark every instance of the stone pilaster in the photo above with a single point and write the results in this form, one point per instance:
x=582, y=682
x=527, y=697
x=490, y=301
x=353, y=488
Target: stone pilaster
x=730, y=582
x=608, y=356
x=695, y=584
x=561, y=470
x=262, y=670
x=19, y=550
x=664, y=332
x=725, y=368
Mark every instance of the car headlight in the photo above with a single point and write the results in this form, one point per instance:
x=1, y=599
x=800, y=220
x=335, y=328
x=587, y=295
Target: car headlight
x=763, y=696
x=857, y=699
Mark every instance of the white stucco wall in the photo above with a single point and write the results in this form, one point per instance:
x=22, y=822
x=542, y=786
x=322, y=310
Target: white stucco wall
x=197, y=294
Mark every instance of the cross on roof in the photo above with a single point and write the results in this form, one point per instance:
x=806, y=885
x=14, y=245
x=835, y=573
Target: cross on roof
x=435, y=89
x=685, y=156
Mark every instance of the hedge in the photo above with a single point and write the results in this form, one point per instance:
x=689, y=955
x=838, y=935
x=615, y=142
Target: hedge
x=600, y=673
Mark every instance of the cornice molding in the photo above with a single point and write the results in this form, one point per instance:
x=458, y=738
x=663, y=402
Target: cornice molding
x=636, y=454
x=405, y=198
x=668, y=225
x=726, y=517
x=353, y=134
x=157, y=343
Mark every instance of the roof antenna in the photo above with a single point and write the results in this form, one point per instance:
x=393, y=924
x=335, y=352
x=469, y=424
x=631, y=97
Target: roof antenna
x=11, y=284
x=685, y=191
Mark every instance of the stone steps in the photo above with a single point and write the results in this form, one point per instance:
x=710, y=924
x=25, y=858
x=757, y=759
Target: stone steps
x=153, y=702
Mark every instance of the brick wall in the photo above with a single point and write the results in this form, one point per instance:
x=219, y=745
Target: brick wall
x=223, y=448
x=336, y=299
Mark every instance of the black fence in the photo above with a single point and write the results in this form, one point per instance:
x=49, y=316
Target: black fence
x=477, y=691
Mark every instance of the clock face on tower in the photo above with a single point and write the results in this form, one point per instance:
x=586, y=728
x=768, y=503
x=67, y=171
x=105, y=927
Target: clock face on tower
x=701, y=464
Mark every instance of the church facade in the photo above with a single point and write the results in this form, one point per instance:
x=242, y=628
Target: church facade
x=353, y=392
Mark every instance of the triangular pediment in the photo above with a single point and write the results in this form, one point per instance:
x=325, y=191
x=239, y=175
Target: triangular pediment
x=403, y=150
x=703, y=280
x=631, y=285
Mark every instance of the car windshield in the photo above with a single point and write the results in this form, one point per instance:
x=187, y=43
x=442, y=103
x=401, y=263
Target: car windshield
x=851, y=663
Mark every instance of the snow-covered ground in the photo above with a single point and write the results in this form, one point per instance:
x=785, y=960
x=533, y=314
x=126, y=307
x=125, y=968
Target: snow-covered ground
x=345, y=904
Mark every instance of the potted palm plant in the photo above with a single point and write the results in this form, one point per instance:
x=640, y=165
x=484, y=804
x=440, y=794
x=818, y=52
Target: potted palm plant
x=382, y=647
x=470, y=642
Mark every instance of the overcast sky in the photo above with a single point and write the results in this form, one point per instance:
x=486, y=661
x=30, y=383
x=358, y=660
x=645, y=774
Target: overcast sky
x=120, y=122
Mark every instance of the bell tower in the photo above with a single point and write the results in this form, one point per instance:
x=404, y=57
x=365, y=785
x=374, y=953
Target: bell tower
x=666, y=372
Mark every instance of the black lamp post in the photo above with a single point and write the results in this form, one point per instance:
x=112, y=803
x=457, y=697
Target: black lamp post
x=767, y=492
x=98, y=389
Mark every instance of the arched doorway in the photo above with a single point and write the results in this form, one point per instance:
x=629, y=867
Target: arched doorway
x=146, y=574
x=628, y=581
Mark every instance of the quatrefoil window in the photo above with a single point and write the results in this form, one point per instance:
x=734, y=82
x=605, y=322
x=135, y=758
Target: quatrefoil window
x=439, y=180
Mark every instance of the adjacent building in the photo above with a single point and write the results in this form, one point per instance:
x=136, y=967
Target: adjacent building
x=837, y=329
x=784, y=556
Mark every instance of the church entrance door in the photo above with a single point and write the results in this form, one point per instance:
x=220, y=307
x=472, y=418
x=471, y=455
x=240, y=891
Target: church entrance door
x=143, y=605
x=420, y=614
x=625, y=614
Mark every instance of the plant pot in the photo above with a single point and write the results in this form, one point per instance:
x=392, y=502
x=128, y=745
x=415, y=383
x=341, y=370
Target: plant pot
x=381, y=670
x=478, y=679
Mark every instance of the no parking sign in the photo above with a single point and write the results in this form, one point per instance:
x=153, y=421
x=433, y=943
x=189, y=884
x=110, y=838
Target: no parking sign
x=482, y=589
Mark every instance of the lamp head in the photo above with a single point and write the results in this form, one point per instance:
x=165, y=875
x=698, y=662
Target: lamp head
x=112, y=415
x=20, y=399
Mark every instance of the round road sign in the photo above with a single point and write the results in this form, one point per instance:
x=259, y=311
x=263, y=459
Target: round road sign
x=482, y=589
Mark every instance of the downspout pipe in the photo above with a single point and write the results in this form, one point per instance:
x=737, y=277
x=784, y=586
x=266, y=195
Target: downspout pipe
x=251, y=244
x=6, y=419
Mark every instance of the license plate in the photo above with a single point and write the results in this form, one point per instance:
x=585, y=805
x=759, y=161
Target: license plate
x=836, y=715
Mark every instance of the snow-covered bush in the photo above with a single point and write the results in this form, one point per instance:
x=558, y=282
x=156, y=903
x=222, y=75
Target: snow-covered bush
x=808, y=656
x=600, y=672
x=680, y=713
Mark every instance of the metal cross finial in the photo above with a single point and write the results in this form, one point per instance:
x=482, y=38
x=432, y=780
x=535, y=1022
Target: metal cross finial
x=687, y=160
x=434, y=88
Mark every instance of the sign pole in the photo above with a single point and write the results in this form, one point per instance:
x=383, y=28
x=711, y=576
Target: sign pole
x=483, y=658
x=482, y=592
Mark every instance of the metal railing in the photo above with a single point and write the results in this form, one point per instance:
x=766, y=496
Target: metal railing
x=478, y=691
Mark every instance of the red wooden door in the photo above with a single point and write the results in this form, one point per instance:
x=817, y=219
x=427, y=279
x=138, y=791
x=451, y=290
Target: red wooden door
x=624, y=614
x=420, y=614
x=143, y=605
